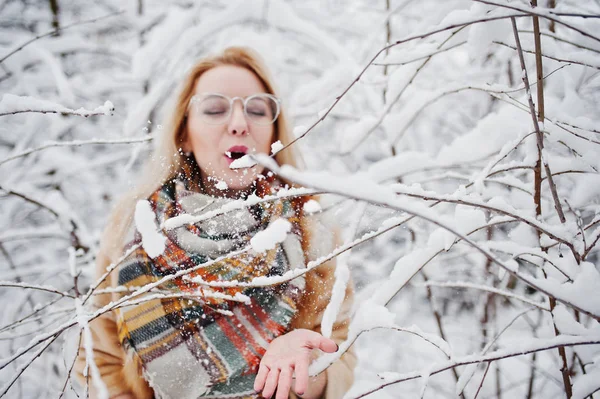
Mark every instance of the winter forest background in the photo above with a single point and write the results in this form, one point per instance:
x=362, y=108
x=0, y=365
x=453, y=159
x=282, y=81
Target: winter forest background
x=468, y=196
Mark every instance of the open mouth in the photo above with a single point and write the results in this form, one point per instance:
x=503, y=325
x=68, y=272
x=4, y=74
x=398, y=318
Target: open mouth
x=236, y=152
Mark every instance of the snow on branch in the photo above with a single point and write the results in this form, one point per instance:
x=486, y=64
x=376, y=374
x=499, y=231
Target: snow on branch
x=464, y=284
x=359, y=188
x=34, y=287
x=55, y=31
x=11, y=105
x=515, y=349
x=75, y=143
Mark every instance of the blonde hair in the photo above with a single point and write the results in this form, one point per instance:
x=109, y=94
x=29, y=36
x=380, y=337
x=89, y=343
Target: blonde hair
x=167, y=158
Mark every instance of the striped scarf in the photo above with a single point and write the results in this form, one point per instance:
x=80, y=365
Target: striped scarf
x=199, y=341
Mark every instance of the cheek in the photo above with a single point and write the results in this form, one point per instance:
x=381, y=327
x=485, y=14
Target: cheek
x=203, y=142
x=265, y=139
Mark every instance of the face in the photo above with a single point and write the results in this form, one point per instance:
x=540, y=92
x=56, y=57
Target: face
x=215, y=146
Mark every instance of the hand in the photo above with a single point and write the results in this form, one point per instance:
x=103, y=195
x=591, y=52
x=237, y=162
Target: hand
x=286, y=354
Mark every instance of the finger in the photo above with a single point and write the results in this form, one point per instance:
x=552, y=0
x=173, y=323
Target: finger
x=261, y=376
x=301, y=371
x=271, y=383
x=284, y=384
x=327, y=345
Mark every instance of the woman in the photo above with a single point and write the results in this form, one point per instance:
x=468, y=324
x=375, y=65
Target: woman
x=197, y=337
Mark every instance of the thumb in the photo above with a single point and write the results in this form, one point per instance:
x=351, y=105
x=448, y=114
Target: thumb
x=328, y=345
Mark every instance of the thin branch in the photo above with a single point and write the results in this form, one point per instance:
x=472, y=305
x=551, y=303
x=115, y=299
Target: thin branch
x=438, y=320
x=541, y=159
x=560, y=39
x=64, y=388
x=22, y=369
x=361, y=190
x=482, y=379
x=463, y=284
x=545, y=259
x=589, y=249
x=454, y=199
x=491, y=343
x=384, y=49
x=540, y=135
x=54, y=31
x=389, y=105
x=30, y=200
x=44, y=321
x=544, y=345
x=421, y=57
x=75, y=143
x=22, y=320
x=549, y=56
x=532, y=12
x=75, y=240
x=12, y=284
x=47, y=107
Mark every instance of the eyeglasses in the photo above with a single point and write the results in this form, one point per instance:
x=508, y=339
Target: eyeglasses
x=216, y=109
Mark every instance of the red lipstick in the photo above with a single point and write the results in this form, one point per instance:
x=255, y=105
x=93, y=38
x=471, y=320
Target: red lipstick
x=235, y=152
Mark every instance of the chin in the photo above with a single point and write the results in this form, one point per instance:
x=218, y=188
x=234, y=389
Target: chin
x=239, y=181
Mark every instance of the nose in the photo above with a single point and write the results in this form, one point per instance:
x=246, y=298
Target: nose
x=238, y=125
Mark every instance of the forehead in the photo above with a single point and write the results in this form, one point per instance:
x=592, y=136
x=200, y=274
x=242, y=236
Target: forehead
x=229, y=80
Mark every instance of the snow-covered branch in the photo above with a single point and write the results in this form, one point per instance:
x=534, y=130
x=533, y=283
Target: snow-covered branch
x=11, y=105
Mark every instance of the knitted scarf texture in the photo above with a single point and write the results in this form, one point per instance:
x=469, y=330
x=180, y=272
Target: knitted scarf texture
x=199, y=341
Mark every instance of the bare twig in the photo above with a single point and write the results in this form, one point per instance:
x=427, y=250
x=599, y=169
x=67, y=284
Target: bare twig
x=549, y=56
x=589, y=249
x=533, y=13
x=540, y=135
x=463, y=284
x=540, y=145
x=482, y=379
x=76, y=143
x=59, y=109
x=421, y=57
x=404, y=190
x=375, y=195
x=63, y=390
x=11, y=284
x=438, y=320
x=29, y=316
x=54, y=31
x=73, y=228
x=492, y=356
x=563, y=40
x=22, y=369
x=385, y=48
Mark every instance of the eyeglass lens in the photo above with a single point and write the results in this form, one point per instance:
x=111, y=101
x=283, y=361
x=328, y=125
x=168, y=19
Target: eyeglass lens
x=215, y=109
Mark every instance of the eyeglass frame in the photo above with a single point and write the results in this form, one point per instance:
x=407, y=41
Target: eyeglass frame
x=196, y=97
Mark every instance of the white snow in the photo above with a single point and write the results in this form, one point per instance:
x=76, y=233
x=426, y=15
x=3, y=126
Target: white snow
x=88, y=344
x=221, y=185
x=311, y=206
x=276, y=147
x=11, y=104
x=299, y=130
x=244, y=162
x=152, y=240
x=274, y=234
x=338, y=293
x=450, y=142
x=587, y=384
